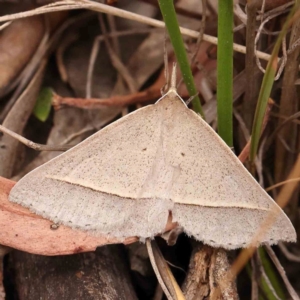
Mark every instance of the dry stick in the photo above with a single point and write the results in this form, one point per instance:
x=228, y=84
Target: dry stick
x=201, y=32
x=114, y=38
x=274, y=186
x=258, y=162
x=198, y=43
x=165, y=273
x=286, y=121
x=95, y=103
x=153, y=92
x=92, y=61
x=281, y=8
x=77, y=134
x=5, y=25
x=242, y=124
x=71, y=5
x=243, y=17
x=117, y=63
x=65, y=43
x=286, y=146
x=123, y=74
x=282, y=273
x=246, y=134
x=266, y=278
x=125, y=79
x=290, y=256
x=156, y=271
x=256, y=41
x=254, y=284
x=262, y=10
x=30, y=144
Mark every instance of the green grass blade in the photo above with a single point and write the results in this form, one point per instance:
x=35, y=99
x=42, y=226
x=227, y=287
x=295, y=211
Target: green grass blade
x=225, y=70
x=266, y=88
x=42, y=106
x=169, y=15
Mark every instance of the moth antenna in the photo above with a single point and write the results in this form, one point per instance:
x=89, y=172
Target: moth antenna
x=173, y=77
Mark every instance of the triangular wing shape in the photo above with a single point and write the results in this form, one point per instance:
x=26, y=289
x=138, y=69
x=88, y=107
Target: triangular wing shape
x=125, y=179
x=95, y=185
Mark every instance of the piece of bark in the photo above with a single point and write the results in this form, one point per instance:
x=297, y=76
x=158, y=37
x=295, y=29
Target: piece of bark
x=100, y=275
x=196, y=284
x=207, y=271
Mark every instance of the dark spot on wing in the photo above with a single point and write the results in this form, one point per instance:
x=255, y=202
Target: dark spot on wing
x=182, y=154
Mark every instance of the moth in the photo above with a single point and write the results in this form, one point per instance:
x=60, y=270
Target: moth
x=127, y=178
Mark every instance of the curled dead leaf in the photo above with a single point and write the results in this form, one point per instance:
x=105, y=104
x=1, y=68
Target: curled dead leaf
x=18, y=43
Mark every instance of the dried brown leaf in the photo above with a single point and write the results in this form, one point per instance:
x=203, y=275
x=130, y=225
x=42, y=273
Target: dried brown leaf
x=18, y=42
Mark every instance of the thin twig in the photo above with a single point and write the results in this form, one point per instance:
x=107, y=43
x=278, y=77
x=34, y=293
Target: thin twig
x=201, y=32
x=265, y=277
x=30, y=144
x=156, y=271
x=282, y=273
x=259, y=31
x=254, y=277
x=65, y=43
x=117, y=63
x=72, y=5
x=3, y=26
x=290, y=256
x=281, y=183
x=276, y=131
x=96, y=48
